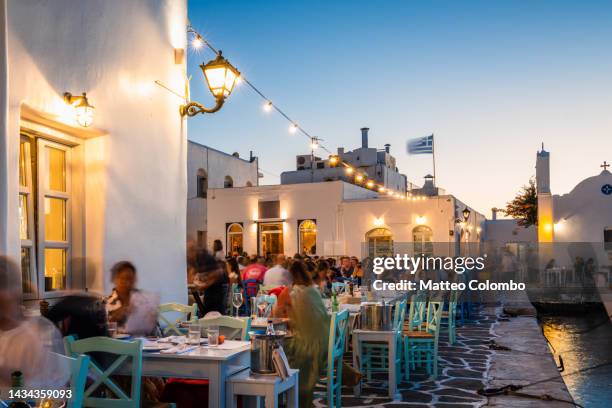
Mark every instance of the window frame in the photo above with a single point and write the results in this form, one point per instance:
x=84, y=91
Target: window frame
x=299, y=234
x=422, y=243
x=43, y=192
x=228, y=235
x=260, y=234
x=370, y=235
x=29, y=190
x=201, y=184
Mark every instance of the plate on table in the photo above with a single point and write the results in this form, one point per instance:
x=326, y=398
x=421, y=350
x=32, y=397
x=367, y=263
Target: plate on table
x=156, y=346
x=121, y=336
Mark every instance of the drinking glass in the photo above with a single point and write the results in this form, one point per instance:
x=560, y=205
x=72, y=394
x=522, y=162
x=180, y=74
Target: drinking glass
x=112, y=328
x=193, y=336
x=263, y=307
x=237, y=301
x=213, y=336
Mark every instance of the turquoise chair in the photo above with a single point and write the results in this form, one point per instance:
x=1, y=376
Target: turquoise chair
x=234, y=327
x=78, y=376
x=416, y=315
x=375, y=354
x=421, y=346
x=170, y=328
x=449, y=317
x=338, y=328
x=339, y=287
x=124, y=350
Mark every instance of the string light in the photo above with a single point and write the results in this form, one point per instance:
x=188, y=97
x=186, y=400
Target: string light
x=198, y=41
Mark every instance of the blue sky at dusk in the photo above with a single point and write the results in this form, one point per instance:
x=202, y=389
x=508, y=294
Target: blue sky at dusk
x=491, y=79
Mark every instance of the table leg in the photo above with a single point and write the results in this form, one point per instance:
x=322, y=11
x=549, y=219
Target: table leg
x=272, y=399
x=392, y=369
x=293, y=394
x=357, y=362
x=216, y=387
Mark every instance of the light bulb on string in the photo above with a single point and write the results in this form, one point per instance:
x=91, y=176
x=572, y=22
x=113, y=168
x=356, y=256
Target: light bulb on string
x=314, y=143
x=381, y=189
x=359, y=178
x=349, y=170
x=197, y=42
x=370, y=184
x=267, y=107
x=293, y=128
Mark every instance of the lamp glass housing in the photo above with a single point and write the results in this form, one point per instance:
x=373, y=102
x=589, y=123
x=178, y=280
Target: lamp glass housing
x=466, y=213
x=221, y=76
x=84, y=113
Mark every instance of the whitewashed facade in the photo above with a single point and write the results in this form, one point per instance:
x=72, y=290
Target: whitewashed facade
x=210, y=168
x=345, y=217
x=87, y=197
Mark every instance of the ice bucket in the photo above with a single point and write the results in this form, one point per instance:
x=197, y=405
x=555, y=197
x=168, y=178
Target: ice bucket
x=376, y=316
x=262, y=346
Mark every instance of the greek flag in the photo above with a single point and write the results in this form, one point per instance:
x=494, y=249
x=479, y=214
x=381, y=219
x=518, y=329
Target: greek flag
x=421, y=145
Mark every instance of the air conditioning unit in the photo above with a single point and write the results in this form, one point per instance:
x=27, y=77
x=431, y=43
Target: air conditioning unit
x=303, y=162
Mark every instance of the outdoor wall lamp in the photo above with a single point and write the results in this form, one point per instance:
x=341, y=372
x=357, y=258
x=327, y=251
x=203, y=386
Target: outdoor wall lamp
x=82, y=109
x=221, y=76
x=466, y=214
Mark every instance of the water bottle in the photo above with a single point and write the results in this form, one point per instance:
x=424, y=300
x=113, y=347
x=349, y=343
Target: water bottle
x=270, y=329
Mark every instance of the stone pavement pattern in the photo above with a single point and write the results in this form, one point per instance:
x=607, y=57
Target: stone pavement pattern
x=462, y=371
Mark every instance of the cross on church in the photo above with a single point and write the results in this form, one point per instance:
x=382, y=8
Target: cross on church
x=605, y=165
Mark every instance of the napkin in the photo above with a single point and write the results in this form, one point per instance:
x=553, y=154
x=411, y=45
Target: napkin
x=178, y=349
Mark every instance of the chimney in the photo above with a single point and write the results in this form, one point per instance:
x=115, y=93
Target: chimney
x=494, y=213
x=364, y=137
x=388, y=148
x=340, y=151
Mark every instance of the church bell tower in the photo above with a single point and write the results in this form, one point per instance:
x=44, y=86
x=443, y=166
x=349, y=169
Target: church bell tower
x=545, y=201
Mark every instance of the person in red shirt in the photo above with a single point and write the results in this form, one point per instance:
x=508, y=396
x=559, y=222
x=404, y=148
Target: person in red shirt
x=255, y=270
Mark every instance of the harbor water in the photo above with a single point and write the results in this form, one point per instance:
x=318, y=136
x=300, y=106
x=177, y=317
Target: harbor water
x=584, y=342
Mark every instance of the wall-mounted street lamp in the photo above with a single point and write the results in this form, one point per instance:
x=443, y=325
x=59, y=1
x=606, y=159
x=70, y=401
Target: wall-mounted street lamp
x=83, y=111
x=466, y=214
x=221, y=76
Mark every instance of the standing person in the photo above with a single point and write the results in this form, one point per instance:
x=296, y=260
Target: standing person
x=256, y=270
x=218, y=250
x=309, y=323
x=278, y=275
x=233, y=271
x=358, y=272
x=211, y=279
x=346, y=270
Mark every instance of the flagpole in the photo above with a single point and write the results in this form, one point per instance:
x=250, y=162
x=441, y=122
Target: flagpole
x=433, y=154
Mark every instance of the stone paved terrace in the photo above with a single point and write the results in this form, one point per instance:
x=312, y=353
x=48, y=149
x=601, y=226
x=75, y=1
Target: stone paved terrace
x=468, y=366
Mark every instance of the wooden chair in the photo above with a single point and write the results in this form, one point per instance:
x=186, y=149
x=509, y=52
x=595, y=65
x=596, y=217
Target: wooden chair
x=375, y=355
x=171, y=328
x=236, y=328
x=124, y=350
x=338, y=328
x=78, y=376
x=421, y=346
x=449, y=317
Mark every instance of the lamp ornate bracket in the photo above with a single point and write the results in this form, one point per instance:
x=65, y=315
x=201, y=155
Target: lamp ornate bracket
x=194, y=108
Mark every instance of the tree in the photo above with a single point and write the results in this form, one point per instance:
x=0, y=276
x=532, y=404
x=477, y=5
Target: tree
x=524, y=207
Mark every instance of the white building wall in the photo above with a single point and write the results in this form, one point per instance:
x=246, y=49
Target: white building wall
x=216, y=165
x=133, y=160
x=344, y=214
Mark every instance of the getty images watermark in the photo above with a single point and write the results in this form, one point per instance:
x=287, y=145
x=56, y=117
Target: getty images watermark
x=425, y=263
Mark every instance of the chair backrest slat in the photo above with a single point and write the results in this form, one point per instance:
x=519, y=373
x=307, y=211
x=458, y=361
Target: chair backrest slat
x=171, y=327
x=123, y=350
x=242, y=325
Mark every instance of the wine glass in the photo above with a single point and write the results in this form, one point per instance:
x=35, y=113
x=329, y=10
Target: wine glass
x=237, y=301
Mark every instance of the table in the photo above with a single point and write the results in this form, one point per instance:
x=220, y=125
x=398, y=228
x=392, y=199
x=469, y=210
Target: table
x=279, y=323
x=390, y=338
x=202, y=363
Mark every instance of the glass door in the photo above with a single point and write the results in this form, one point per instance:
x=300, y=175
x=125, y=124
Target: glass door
x=271, y=238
